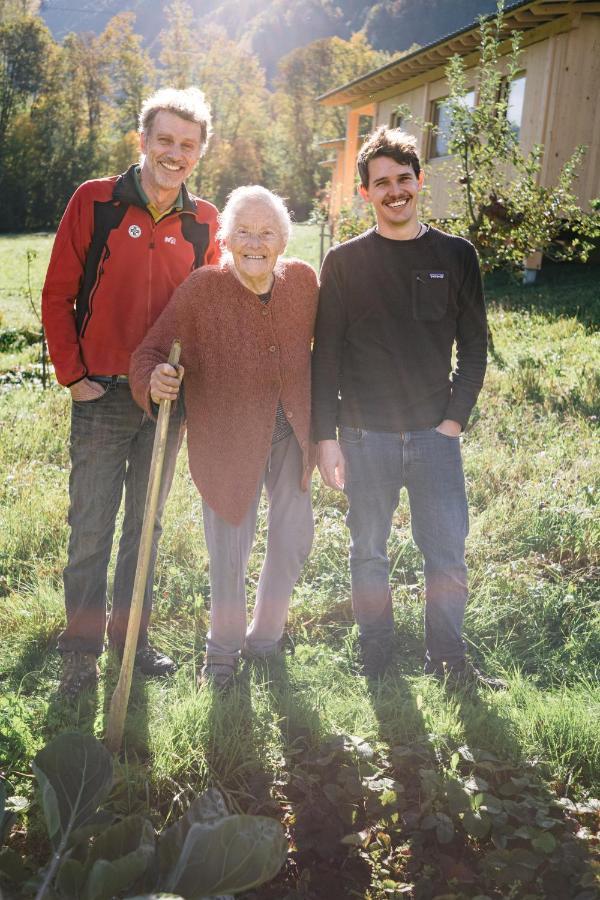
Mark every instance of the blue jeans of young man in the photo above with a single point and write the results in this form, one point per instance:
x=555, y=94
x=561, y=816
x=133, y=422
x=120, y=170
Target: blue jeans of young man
x=428, y=464
x=111, y=449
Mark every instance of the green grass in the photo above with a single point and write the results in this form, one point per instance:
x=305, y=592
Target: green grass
x=533, y=473
x=14, y=305
x=305, y=243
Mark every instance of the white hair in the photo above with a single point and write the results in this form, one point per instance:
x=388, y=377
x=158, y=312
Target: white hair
x=236, y=200
x=189, y=104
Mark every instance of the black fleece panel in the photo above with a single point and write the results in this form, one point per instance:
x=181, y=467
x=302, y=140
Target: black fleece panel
x=107, y=216
x=197, y=234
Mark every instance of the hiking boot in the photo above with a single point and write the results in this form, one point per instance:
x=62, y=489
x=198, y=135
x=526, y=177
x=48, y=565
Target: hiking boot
x=79, y=671
x=152, y=662
x=375, y=656
x=251, y=655
x=467, y=677
x=435, y=669
x=268, y=667
x=216, y=673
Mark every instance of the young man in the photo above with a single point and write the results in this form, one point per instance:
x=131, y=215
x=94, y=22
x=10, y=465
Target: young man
x=124, y=244
x=393, y=302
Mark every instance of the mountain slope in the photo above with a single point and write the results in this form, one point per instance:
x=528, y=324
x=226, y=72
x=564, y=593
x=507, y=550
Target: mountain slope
x=272, y=28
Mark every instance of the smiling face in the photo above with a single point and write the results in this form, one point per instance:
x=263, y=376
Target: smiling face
x=255, y=242
x=393, y=190
x=171, y=149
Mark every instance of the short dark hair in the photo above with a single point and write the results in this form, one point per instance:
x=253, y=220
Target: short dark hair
x=392, y=142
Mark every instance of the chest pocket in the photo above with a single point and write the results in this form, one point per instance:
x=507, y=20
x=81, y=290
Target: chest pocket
x=430, y=291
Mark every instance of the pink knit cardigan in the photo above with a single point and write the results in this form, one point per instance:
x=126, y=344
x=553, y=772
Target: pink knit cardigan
x=240, y=357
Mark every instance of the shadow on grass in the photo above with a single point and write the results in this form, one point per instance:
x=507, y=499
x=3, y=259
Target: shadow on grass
x=235, y=750
x=311, y=793
x=475, y=814
x=561, y=289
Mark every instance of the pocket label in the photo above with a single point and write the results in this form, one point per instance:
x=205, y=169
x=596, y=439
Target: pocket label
x=430, y=295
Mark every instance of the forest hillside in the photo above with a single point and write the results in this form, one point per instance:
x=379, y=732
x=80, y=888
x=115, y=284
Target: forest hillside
x=272, y=28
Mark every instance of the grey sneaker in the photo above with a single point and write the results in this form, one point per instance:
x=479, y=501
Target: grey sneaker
x=79, y=671
x=217, y=674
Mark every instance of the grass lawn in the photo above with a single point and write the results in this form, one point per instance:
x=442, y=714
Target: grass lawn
x=395, y=789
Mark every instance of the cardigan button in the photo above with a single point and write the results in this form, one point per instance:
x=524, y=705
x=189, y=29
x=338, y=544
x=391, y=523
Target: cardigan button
x=265, y=312
x=272, y=348
x=290, y=414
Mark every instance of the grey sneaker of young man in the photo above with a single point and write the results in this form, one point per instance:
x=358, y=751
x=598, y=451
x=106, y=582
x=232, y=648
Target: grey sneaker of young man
x=217, y=674
x=153, y=663
x=79, y=671
x=467, y=677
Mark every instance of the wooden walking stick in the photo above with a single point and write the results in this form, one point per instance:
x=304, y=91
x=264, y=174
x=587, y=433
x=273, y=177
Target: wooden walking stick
x=120, y=698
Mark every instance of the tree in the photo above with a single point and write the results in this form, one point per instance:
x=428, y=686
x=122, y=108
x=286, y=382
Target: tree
x=234, y=83
x=23, y=46
x=10, y=10
x=179, y=54
x=500, y=205
x=130, y=69
x=300, y=122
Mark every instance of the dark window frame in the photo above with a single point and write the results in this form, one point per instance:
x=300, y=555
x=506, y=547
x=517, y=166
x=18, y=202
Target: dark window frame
x=433, y=150
x=505, y=89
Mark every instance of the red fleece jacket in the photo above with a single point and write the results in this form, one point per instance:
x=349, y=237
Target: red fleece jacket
x=113, y=271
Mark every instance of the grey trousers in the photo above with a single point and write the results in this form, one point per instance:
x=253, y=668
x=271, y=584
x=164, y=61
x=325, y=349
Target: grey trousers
x=289, y=539
x=111, y=448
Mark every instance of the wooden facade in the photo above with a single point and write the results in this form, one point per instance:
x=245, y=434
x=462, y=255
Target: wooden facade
x=560, y=65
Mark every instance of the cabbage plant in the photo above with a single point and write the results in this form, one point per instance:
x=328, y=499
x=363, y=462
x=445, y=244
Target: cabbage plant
x=205, y=854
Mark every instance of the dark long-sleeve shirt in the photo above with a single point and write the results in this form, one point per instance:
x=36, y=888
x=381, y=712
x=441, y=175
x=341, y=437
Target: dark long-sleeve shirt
x=389, y=315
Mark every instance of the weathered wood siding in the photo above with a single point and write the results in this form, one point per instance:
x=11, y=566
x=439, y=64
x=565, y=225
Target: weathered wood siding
x=561, y=110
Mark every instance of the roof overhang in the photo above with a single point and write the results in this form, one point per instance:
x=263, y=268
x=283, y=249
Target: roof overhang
x=524, y=16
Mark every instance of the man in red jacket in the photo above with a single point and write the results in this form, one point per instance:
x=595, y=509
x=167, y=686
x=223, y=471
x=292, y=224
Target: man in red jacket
x=124, y=244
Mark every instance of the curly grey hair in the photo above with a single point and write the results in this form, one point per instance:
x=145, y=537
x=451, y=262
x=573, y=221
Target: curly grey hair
x=189, y=104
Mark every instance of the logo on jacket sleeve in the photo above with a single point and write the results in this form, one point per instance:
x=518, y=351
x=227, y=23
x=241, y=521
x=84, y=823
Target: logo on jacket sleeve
x=135, y=231
x=169, y=239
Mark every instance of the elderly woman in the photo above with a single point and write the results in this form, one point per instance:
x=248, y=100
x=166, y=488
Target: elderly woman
x=245, y=329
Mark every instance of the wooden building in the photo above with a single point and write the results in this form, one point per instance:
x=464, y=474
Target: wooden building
x=554, y=99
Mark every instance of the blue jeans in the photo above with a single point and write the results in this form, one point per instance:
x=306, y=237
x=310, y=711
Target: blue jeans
x=428, y=464
x=111, y=449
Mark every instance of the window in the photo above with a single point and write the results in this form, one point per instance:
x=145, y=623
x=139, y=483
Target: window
x=515, y=96
x=396, y=119
x=440, y=116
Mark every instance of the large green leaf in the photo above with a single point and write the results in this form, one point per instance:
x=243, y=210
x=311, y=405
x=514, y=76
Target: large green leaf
x=232, y=855
x=206, y=810
x=118, y=858
x=444, y=829
x=476, y=824
x=70, y=878
x=74, y=772
x=132, y=835
x=94, y=826
x=459, y=799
